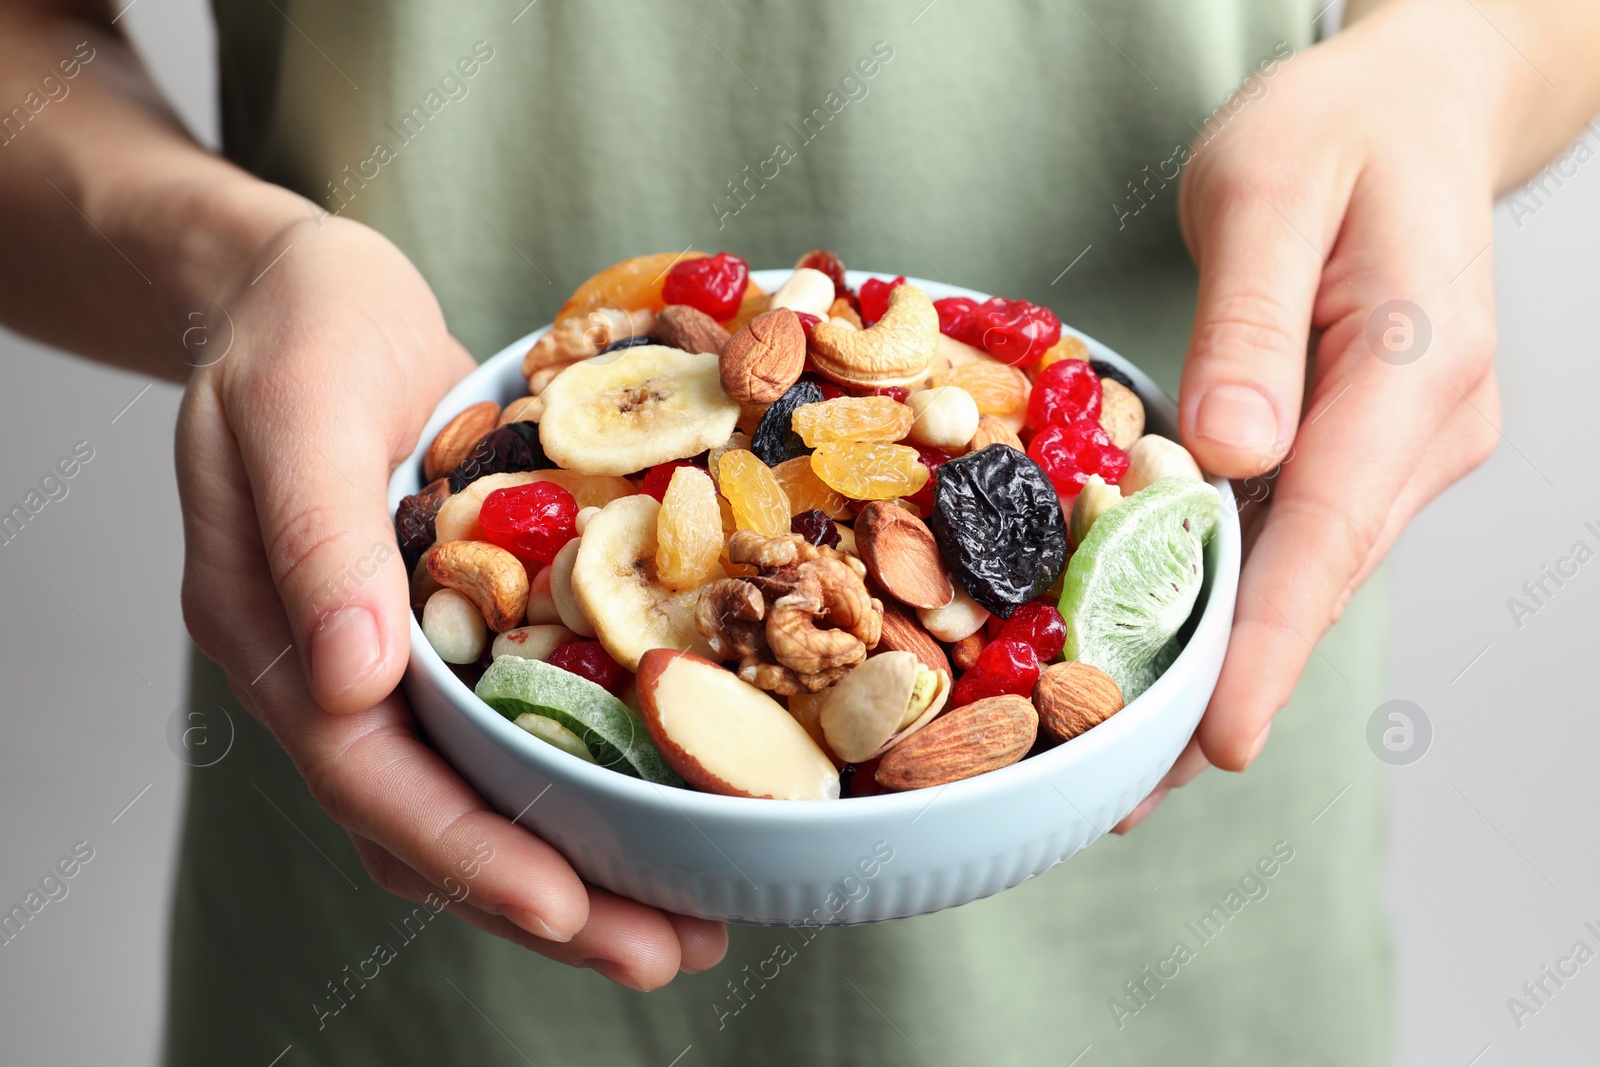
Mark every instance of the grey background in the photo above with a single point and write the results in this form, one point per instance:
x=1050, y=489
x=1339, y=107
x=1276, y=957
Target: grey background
x=1493, y=866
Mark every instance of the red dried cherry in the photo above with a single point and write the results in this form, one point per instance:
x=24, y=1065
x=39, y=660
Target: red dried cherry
x=831, y=265
x=587, y=659
x=530, y=521
x=930, y=458
x=657, y=477
x=713, y=284
x=1039, y=626
x=893, y=392
x=1068, y=390
x=1015, y=331
x=808, y=321
x=1070, y=453
x=875, y=298
x=1004, y=666
x=956, y=321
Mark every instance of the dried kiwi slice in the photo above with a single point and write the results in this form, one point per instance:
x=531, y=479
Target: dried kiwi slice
x=1134, y=580
x=613, y=732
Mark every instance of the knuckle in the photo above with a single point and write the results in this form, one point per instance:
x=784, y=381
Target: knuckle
x=1244, y=327
x=300, y=541
x=1352, y=536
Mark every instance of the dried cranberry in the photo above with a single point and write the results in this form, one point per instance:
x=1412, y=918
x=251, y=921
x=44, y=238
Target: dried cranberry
x=588, y=660
x=1039, y=626
x=1004, y=666
x=931, y=458
x=1070, y=453
x=1068, y=390
x=875, y=298
x=816, y=528
x=1010, y=665
x=862, y=780
x=658, y=477
x=1015, y=331
x=831, y=265
x=808, y=321
x=530, y=521
x=956, y=321
x=896, y=393
x=713, y=284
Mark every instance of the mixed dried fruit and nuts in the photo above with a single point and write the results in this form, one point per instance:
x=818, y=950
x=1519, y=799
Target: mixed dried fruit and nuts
x=815, y=541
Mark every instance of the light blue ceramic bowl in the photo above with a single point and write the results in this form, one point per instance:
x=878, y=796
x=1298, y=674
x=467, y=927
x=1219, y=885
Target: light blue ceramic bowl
x=848, y=861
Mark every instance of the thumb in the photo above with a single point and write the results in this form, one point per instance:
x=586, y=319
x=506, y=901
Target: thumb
x=318, y=463
x=1245, y=369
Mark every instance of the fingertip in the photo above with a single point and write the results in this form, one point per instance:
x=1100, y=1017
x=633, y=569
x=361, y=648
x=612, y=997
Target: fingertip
x=702, y=942
x=1142, y=812
x=1236, y=430
x=352, y=662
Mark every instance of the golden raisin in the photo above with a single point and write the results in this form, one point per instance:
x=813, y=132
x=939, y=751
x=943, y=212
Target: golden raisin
x=689, y=534
x=807, y=492
x=852, y=418
x=869, y=471
x=759, y=502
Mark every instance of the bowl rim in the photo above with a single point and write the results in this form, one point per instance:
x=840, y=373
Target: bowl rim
x=1049, y=766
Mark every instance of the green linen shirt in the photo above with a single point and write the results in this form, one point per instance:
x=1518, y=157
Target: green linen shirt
x=1019, y=147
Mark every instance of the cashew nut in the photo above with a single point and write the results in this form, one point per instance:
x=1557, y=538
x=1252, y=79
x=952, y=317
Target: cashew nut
x=895, y=350
x=560, y=571
x=492, y=578
x=1094, y=499
x=585, y=335
x=454, y=627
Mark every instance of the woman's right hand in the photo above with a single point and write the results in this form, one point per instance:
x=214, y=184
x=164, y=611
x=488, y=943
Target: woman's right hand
x=338, y=355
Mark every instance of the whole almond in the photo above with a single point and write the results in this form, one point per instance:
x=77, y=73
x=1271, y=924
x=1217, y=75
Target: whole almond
x=964, y=653
x=452, y=444
x=903, y=633
x=1073, y=697
x=1121, y=413
x=681, y=326
x=901, y=555
x=982, y=736
x=761, y=361
x=991, y=431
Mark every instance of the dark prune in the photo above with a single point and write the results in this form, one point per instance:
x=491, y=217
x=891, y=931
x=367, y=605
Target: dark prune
x=413, y=520
x=1103, y=369
x=815, y=527
x=775, y=440
x=628, y=342
x=504, y=449
x=999, y=526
